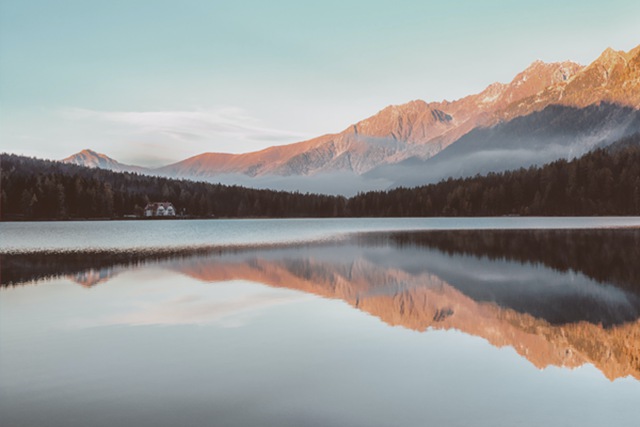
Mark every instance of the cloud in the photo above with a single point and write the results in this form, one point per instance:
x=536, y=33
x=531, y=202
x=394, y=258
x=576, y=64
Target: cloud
x=223, y=124
x=194, y=309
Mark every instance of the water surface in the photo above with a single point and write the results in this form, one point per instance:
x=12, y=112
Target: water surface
x=119, y=235
x=486, y=327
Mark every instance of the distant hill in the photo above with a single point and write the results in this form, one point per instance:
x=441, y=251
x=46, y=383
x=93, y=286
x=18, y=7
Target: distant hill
x=91, y=159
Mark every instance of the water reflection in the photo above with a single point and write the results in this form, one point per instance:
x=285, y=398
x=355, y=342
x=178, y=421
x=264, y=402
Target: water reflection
x=562, y=298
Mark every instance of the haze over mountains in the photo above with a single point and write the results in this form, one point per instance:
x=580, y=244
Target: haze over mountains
x=548, y=111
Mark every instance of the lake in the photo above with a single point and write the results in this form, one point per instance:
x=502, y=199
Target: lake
x=354, y=322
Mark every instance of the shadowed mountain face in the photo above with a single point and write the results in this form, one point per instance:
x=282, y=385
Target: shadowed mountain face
x=564, y=297
x=556, y=132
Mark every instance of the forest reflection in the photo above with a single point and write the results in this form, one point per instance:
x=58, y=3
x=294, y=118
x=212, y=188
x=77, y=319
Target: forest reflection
x=562, y=297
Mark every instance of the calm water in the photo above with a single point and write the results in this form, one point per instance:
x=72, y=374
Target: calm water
x=120, y=235
x=509, y=324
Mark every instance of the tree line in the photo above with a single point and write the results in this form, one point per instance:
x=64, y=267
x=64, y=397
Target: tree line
x=605, y=255
x=43, y=189
x=603, y=182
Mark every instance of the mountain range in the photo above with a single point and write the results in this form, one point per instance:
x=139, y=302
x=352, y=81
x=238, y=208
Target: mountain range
x=548, y=111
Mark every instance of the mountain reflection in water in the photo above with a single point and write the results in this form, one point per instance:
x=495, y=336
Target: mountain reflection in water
x=563, y=297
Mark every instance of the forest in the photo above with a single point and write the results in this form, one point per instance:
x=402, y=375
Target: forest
x=605, y=181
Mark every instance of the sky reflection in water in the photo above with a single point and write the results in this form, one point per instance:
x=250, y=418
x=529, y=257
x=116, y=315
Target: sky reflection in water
x=240, y=337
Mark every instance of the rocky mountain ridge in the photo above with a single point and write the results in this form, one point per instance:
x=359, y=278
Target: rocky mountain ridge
x=614, y=77
x=421, y=130
x=397, y=132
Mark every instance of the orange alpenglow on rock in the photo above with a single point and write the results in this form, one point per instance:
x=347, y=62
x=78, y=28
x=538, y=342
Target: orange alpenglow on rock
x=418, y=128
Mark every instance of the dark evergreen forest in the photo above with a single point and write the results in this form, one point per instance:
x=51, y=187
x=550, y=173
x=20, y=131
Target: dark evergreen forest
x=603, y=182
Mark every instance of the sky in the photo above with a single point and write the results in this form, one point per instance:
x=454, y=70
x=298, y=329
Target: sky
x=151, y=82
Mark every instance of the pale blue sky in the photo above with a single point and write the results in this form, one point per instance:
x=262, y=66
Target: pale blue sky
x=154, y=81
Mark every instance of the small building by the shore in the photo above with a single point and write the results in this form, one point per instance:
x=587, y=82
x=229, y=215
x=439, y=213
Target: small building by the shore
x=159, y=209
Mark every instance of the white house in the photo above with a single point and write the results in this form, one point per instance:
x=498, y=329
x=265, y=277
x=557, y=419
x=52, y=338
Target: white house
x=159, y=209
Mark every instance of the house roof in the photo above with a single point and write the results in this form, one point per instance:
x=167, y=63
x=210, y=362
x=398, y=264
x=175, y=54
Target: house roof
x=156, y=205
